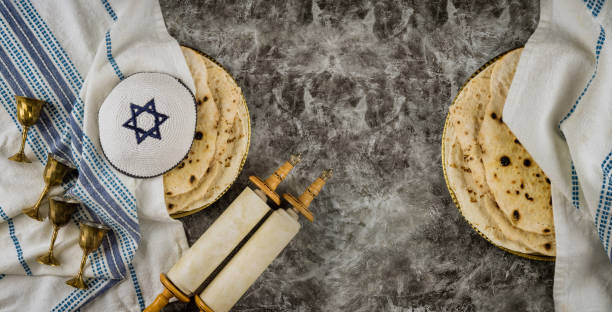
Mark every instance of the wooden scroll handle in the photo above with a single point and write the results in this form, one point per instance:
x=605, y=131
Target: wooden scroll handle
x=301, y=203
x=202, y=305
x=169, y=291
x=271, y=183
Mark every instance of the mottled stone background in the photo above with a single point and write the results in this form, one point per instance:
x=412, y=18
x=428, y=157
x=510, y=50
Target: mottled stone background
x=363, y=87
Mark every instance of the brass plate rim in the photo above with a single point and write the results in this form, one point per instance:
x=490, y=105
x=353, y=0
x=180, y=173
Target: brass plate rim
x=179, y=215
x=450, y=190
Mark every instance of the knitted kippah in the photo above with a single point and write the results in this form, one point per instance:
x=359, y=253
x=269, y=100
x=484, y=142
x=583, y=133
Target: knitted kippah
x=147, y=124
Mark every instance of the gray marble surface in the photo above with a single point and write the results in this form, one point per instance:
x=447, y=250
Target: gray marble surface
x=363, y=87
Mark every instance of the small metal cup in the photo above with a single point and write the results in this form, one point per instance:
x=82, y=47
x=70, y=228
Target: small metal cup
x=28, y=112
x=90, y=239
x=55, y=171
x=60, y=212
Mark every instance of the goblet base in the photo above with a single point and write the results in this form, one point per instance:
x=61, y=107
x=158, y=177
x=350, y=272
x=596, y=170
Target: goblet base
x=77, y=282
x=32, y=213
x=48, y=259
x=20, y=157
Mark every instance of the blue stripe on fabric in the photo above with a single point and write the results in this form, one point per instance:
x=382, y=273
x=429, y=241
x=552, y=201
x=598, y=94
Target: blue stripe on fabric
x=136, y=286
x=598, y=47
x=575, y=188
x=41, y=90
x=122, y=194
x=123, y=270
x=594, y=6
x=109, y=9
x=574, y=176
x=17, y=52
x=59, y=55
x=605, y=201
x=117, y=257
x=76, y=297
x=38, y=55
x=77, y=136
x=103, y=170
x=19, y=86
x=54, y=72
x=80, y=296
x=128, y=214
x=125, y=197
x=14, y=20
x=100, y=291
x=103, y=197
x=100, y=164
x=15, y=240
x=113, y=245
x=106, y=244
x=16, y=83
x=110, y=236
x=109, y=56
x=31, y=13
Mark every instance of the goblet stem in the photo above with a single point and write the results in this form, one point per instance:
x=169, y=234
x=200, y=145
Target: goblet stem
x=48, y=259
x=83, y=261
x=77, y=281
x=53, y=237
x=24, y=136
x=20, y=156
x=32, y=212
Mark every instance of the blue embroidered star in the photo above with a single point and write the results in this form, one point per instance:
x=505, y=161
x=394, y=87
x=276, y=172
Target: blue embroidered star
x=158, y=119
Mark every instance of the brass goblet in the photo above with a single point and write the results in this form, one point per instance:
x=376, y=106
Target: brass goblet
x=60, y=211
x=89, y=240
x=28, y=111
x=55, y=171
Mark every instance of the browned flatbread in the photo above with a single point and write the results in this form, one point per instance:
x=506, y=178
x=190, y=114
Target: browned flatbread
x=468, y=176
x=230, y=146
x=520, y=187
x=466, y=117
x=482, y=212
x=188, y=174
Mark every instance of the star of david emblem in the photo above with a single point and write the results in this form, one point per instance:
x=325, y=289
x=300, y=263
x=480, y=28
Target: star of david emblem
x=158, y=120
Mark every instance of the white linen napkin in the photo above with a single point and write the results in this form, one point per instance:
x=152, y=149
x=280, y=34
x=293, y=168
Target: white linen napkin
x=71, y=54
x=560, y=108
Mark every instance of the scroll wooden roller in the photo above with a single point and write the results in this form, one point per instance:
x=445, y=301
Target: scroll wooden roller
x=169, y=291
x=260, y=249
x=301, y=203
x=271, y=183
x=238, y=219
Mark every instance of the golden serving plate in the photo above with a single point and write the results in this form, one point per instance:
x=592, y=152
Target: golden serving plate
x=248, y=135
x=452, y=193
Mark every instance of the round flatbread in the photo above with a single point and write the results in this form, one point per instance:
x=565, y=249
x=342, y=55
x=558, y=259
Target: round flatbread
x=519, y=185
x=230, y=147
x=482, y=212
x=235, y=146
x=466, y=116
x=467, y=176
x=188, y=174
